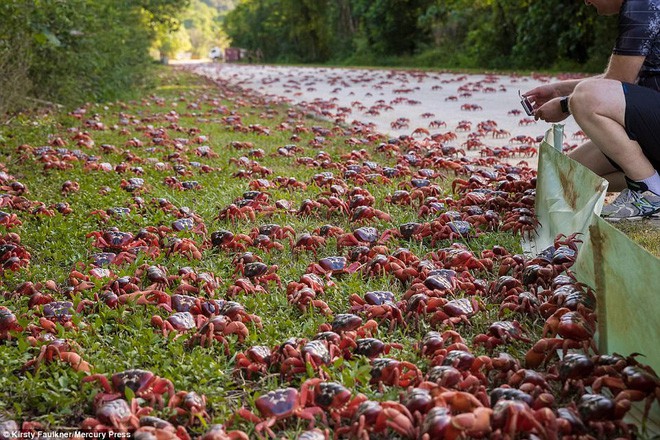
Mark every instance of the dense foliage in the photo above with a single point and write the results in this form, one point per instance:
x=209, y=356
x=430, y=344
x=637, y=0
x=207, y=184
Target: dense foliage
x=66, y=52
x=520, y=34
x=200, y=30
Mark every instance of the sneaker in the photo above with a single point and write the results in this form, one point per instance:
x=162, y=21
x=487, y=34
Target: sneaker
x=632, y=205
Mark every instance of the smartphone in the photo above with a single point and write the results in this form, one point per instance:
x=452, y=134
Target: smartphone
x=527, y=106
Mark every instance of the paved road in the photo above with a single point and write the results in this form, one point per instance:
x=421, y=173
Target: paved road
x=399, y=102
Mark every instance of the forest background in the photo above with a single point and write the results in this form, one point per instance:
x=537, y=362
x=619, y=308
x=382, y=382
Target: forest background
x=68, y=52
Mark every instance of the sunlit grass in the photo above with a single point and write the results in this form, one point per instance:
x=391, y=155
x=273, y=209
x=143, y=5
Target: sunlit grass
x=112, y=340
x=645, y=233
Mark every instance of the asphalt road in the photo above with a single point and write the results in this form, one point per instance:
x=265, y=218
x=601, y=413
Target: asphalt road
x=399, y=102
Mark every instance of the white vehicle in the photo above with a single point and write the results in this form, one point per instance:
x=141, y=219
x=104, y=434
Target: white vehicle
x=216, y=54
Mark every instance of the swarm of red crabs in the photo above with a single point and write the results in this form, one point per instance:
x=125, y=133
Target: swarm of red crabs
x=532, y=371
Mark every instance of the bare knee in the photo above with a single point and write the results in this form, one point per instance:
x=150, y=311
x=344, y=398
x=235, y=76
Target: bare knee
x=596, y=96
x=585, y=98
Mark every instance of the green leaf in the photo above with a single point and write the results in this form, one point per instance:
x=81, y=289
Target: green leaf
x=48, y=37
x=130, y=395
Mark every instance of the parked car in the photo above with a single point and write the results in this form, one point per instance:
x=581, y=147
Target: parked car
x=216, y=54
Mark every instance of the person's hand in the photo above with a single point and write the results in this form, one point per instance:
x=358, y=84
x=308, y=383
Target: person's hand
x=550, y=111
x=540, y=95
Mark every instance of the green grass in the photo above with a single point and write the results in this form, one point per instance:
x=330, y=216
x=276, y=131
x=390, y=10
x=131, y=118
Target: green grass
x=645, y=233
x=116, y=339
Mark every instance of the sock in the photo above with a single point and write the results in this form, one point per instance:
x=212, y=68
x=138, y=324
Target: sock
x=649, y=184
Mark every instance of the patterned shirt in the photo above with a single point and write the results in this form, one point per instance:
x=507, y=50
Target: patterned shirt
x=639, y=33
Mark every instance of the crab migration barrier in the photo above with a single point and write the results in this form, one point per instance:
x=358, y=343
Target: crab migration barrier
x=626, y=278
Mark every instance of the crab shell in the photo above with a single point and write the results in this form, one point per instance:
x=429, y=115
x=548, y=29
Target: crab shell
x=255, y=269
x=369, y=347
x=58, y=309
x=502, y=393
x=115, y=410
x=278, y=403
x=574, y=366
x=418, y=400
x=379, y=297
x=136, y=380
x=259, y=353
x=346, y=322
x=331, y=394
x=183, y=224
x=366, y=234
x=317, y=350
x=334, y=264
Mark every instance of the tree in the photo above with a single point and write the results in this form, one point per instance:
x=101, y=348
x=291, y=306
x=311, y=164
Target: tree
x=462, y=33
x=203, y=26
x=80, y=50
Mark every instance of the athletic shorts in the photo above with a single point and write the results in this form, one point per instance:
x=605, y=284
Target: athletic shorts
x=642, y=121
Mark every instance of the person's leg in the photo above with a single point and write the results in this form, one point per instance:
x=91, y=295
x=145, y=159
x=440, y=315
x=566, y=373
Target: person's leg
x=599, y=109
x=617, y=181
x=589, y=155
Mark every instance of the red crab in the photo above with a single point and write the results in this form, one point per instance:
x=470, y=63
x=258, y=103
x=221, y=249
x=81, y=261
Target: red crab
x=351, y=325
x=372, y=347
x=184, y=246
x=392, y=372
x=156, y=275
x=378, y=305
x=373, y=418
x=114, y=240
x=216, y=328
x=514, y=416
x=604, y=415
x=332, y=397
x=8, y=323
x=9, y=220
x=69, y=187
x=273, y=231
x=240, y=260
x=144, y=384
x=439, y=422
x=116, y=415
x=634, y=384
x=332, y=266
x=308, y=242
x=572, y=326
x=328, y=231
x=255, y=360
x=367, y=212
x=191, y=404
x=434, y=343
x=399, y=197
x=219, y=432
x=261, y=273
x=278, y=405
x=460, y=258
x=365, y=236
x=178, y=322
x=408, y=231
x=61, y=349
x=305, y=297
x=501, y=332
x=266, y=243
x=454, y=311
x=234, y=213
x=244, y=285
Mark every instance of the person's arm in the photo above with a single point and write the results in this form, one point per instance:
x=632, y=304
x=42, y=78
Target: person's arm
x=624, y=68
x=547, y=92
